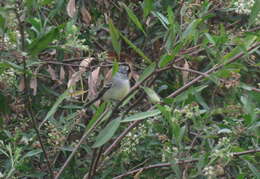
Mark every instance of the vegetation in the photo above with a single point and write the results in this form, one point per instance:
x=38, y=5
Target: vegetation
x=193, y=110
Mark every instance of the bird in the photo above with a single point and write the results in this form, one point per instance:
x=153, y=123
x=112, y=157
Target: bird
x=119, y=86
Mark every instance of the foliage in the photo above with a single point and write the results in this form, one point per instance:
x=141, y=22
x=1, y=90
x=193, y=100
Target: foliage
x=193, y=110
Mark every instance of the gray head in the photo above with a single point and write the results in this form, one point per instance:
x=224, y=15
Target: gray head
x=122, y=71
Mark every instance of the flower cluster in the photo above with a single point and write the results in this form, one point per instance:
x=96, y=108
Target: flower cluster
x=132, y=139
x=222, y=149
x=209, y=171
x=56, y=136
x=8, y=76
x=244, y=7
x=189, y=111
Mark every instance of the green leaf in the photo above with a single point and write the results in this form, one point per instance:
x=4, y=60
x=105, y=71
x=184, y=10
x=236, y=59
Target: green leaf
x=190, y=92
x=2, y=24
x=246, y=43
x=55, y=106
x=136, y=49
x=253, y=169
x=147, y=7
x=115, y=37
x=133, y=17
x=162, y=19
x=190, y=30
x=42, y=43
x=115, y=68
x=148, y=71
x=142, y=115
x=254, y=12
x=107, y=133
x=170, y=15
x=4, y=106
x=153, y=96
x=165, y=59
x=96, y=116
x=32, y=153
x=210, y=38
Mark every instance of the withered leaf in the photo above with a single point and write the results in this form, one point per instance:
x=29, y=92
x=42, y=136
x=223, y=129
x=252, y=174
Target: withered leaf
x=74, y=79
x=33, y=85
x=21, y=86
x=84, y=64
x=185, y=74
x=93, y=83
x=62, y=73
x=52, y=73
x=71, y=8
x=86, y=17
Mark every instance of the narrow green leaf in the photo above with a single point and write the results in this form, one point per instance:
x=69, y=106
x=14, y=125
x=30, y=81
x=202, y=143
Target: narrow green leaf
x=136, y=49
x=4, y=107
x=246, y=43
x=148, y=71
x=170, y=16
x=42, y=43
x=165, y=59
x=254, y=12
x=2, y=24
x=107, y=133
x=142, y=115
x=133, y=17
x=96, y=116
x=115, y=37
x=115, y=68
x=32, y=153
x=210, y=38
x=147, y=7
x=153, y=96
x=190, y=92
x=190, y=30
x=253, y=169
x=55, y=106
x=162, y=19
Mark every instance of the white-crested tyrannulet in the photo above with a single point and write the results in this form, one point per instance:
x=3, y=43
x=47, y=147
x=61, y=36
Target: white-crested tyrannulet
x=120, y=85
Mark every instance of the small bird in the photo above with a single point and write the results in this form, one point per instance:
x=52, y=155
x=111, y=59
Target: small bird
x=119, y=85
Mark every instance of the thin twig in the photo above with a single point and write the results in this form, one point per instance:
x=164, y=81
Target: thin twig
x=27, y=92
x=183, y=88
x=178, y=163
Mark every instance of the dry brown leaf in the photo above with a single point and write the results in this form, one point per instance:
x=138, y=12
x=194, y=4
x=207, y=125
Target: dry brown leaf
x=93, y=83
x=86, y=17
x=71, y=8
x=33, y=82
x=62, y=73
x=108, y=76
x=134, y=75
x=52, y=73
x=85, y=63
x=74, y=79
x=33, y=85
x=185, y=74
x=21, y=86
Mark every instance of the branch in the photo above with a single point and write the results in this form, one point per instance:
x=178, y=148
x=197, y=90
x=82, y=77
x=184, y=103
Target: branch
x=28, y=99
x=178, y=163
x=217, y=67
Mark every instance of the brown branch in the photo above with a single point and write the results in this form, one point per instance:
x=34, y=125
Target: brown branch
x=78, y=145
x=217, y=67
x=178, y=163
x=28, y=99
x=160, y=165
